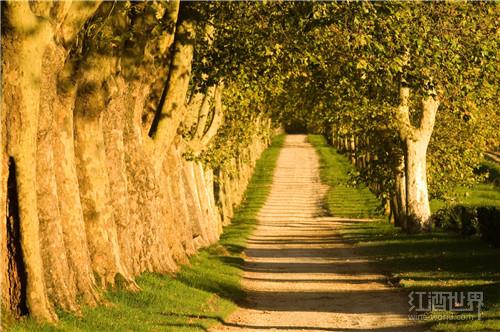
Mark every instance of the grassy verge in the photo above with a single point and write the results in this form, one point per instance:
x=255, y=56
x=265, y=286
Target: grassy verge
x=200, y=295
x=426, y=262
x=482, y=194
x=342, y=199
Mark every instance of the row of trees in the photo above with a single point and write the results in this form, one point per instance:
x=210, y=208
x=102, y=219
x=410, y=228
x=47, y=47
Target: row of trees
x=130, y=129
x=421, y=85
x=408, y=89
x=121, y=152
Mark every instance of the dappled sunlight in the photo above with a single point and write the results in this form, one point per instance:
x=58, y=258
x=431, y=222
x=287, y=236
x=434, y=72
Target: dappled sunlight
x=138, y=150
x=300, y=273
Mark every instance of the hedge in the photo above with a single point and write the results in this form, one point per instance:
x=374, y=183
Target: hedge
x=470, y=220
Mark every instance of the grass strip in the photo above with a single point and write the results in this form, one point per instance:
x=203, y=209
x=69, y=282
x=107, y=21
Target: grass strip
x=202, y=294
x=343, y=199
x=437, y=261
x=481, y=194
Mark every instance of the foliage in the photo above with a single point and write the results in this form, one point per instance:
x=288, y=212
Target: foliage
x=489, y=224
x=457, y=218
x=470, y=220
x=482, y=194
x=339, y=65
x=493, y=171
x=359, y=53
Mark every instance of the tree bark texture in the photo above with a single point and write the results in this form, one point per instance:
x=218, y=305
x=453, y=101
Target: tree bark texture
x=97, y=191
x=415, y=142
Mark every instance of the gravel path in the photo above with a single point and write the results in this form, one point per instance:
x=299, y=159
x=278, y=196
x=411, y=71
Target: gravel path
x=299, y=274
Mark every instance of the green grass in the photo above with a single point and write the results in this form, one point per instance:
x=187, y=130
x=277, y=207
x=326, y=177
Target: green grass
x=435, y=261
x=342, y=199
x=482, y=194
x=203, y=293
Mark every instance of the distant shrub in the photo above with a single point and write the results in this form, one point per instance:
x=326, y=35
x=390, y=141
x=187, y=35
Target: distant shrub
x=493, y=170
x=457, y=218
x=489, y=224
x=470, y=220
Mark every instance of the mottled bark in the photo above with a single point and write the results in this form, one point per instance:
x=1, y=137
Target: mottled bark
x=70, y=208
x=22, y=51
x=93, y=177
x=4, y=252
x=201, y=183
x=90, y=194
x=113, y=132
x=14, y=274
x=137, y=188
x=172, y=110
x=198, y=230
x=416, y=140
x=60, y=281
x=226, y=202
x=187, y=209
x=148, y=215
x=177, y=224
x=217, y=117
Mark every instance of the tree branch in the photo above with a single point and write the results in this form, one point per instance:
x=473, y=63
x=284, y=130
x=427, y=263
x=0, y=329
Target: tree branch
x=169, y=115
x=405, y=128
x=430, y=106
x=217, y=119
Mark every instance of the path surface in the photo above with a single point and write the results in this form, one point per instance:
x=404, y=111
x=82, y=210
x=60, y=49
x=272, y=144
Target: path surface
x=299, y=274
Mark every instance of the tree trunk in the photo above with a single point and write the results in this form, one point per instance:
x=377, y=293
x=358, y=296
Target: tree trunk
x=398, y=197
x=171, y=112
x=417, y=198
x=113, y=132
x=14, y=276
x=22, y=50
x=6, y=224
x=416, y=140
x=94, y=184
x=70, y=206
x=60, y=282
x=198, y=231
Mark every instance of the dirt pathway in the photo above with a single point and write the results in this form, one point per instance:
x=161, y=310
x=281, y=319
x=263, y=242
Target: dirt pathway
x=299, y=274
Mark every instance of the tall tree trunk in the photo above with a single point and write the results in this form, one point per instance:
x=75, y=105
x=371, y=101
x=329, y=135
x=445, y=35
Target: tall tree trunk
x=60, y=282
x=416, y=140
x=176, y=226
x=5, y=253
x=149, y=215
x=94, y=183
x=198, y=230
x=22, y=50
x=417, y=198
x=70, y=206
x=113, y=132
x=72, y=16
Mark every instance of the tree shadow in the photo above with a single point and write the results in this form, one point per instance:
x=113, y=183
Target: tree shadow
x=246, y=327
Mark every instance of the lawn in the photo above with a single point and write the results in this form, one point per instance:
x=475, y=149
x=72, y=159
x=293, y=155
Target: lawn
x=436, y=261
x=203, y=293
x=482, y=194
